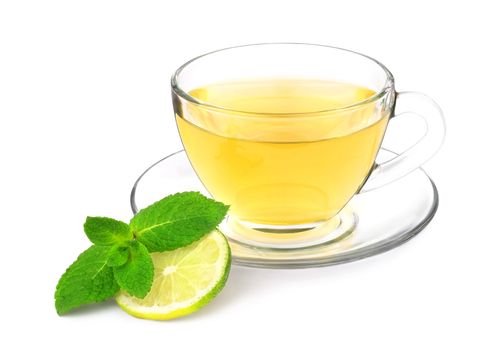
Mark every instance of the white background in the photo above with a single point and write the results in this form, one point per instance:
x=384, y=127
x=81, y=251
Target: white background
x=85, y=107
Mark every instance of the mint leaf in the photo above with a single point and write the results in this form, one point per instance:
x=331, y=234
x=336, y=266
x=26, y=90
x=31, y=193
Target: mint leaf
x=106, y=231
x=136, y=276
x=177, y=221
x=87, y=280
x=118, y=255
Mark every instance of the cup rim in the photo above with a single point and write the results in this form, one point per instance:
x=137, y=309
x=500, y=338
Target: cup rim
x=388, y=85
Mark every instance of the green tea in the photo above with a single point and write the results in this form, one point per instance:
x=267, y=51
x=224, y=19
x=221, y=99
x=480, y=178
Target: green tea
x=282, y=152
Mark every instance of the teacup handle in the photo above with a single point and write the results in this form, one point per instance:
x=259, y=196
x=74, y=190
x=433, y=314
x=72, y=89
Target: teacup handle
x=419, y=104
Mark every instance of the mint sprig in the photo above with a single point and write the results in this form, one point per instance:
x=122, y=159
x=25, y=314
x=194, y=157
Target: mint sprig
x=136, y=275
x=87, y=280
x=106, y=231
x=177, y=221
x=120, y=259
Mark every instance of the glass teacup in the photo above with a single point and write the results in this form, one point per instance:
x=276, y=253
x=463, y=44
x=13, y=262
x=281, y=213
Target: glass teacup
x=287, y=134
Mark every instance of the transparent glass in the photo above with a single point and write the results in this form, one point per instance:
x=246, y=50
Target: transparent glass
x=288, y=172
x=386, y=217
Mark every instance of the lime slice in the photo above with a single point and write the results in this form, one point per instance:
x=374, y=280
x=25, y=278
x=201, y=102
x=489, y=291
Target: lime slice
x=185, y=280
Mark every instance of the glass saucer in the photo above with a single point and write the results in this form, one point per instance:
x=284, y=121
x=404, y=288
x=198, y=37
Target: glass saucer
x=384, y=218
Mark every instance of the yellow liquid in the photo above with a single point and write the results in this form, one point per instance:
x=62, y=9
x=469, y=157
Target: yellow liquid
x=289, y=157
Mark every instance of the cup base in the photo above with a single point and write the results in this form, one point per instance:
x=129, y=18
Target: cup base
x=290, y=237
x=371, y=223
